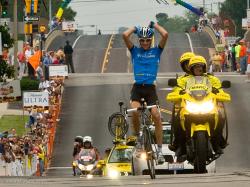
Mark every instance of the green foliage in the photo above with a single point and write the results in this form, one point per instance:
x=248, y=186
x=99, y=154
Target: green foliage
x=6, y=71
x=177, y=23
x=69, y=14
x=29, y=84
x=235, y=10
x=7, y=41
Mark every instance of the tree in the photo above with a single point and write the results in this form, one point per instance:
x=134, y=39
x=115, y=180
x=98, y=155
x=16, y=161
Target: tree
x=6, y=71
x=236, y=10
x=177, y=23
x=7, y=41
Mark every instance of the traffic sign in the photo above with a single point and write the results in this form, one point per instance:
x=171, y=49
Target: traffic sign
x=28, y=18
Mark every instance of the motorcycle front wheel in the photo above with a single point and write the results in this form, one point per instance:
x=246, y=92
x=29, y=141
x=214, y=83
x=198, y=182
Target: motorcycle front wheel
x=201, y=151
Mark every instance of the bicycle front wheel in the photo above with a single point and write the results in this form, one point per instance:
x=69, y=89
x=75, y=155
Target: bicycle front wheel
x=117, y=125
x=147, y=143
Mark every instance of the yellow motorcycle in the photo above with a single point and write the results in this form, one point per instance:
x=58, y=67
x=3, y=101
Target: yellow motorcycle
x=198, y=112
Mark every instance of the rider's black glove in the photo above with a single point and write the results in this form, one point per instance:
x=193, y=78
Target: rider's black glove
x=182, y=92
x=151, y=24
x=215, y=90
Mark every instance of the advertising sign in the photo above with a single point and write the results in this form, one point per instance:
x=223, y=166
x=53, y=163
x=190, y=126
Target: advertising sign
x=68, y=26
x=58, y=70
x=40, y=99
x=10, y=89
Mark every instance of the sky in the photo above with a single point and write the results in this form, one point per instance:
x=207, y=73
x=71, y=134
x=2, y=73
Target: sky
x=110, y=15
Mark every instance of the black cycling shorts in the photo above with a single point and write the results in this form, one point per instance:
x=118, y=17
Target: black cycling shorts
x=146, y=91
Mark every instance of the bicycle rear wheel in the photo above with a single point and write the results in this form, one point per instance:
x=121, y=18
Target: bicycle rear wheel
x=147, y=143
x=118, y=125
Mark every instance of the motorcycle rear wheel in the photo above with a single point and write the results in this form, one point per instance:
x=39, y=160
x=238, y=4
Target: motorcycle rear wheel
x=201, y=151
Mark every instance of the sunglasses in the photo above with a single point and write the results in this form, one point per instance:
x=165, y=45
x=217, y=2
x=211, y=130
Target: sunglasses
x=145, y=40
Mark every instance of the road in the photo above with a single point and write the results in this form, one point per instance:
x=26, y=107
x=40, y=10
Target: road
x=90, y=98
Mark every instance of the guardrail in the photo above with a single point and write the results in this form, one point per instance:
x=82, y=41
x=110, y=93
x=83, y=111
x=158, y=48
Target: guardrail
x=208, y=29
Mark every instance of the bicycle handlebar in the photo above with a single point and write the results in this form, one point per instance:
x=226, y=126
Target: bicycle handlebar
x=141, y=108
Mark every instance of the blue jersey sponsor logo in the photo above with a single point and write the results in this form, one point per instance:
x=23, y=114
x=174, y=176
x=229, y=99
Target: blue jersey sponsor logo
x=145, y=64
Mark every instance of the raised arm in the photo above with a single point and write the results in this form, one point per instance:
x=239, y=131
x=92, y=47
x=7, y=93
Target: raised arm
x=126, y=37
x=163, y=33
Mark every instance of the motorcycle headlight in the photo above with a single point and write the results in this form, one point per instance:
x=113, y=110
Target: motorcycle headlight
x=89, y=167
x=81, y=167
x=113, y=174
x=201, y=108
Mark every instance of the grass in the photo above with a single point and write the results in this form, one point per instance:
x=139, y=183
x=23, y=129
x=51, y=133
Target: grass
x=8, y=122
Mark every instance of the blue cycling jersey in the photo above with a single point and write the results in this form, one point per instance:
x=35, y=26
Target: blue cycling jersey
x=145, y=64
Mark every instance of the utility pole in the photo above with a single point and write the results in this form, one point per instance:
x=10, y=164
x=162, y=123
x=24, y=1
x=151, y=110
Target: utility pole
x=204, y=4
x=15, y=37
x=50, y=11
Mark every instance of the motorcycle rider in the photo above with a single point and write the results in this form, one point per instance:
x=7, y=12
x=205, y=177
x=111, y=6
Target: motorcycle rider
x=179, y=133
x=78, y=144
x=146, y=60
x=89, y=151
x=198, y=67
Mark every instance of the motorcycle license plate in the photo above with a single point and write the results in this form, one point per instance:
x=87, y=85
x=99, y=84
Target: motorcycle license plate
x=176, y=166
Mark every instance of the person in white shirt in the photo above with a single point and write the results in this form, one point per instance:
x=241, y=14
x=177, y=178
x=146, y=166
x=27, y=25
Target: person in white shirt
x=28, y=53
x=44, y=84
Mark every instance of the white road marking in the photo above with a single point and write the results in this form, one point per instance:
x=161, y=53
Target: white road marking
x=73, y=46
x=190, y=42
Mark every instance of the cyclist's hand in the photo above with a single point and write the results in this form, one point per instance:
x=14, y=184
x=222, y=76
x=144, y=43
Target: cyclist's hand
x=137, y=29
x=151, y=25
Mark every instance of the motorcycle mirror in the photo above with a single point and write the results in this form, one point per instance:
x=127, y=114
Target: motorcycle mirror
x=226, y=84
x=172, y=82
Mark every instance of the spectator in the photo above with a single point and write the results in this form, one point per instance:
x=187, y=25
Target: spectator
x=68, y=51
x=56, y=59
x=237, y=56
x=47, y=60
x=61, y=55
x=243, y=57
x=39, y=72
x=21, y=62
x=13, y=132
x=233, y=58
x=216, y=62
x=28, y=53
x=44, y=84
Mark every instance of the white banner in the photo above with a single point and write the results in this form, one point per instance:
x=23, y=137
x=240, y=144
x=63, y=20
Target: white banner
x=40, y=99
x=10, y=89
x=68, y=26
x=58, y=70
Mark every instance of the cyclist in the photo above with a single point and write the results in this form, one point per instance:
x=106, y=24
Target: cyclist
x=198, y=67
x=146, y=60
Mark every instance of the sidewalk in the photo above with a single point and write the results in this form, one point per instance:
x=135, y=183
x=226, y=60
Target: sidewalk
x=4, y=110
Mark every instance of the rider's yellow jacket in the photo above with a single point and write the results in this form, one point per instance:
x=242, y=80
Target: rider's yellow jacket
x=182, y=80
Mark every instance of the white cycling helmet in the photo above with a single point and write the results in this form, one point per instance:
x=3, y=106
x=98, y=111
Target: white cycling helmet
x=87, y=139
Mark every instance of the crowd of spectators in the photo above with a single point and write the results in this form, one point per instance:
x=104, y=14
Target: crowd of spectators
x=234, y=58
x=30, y=153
